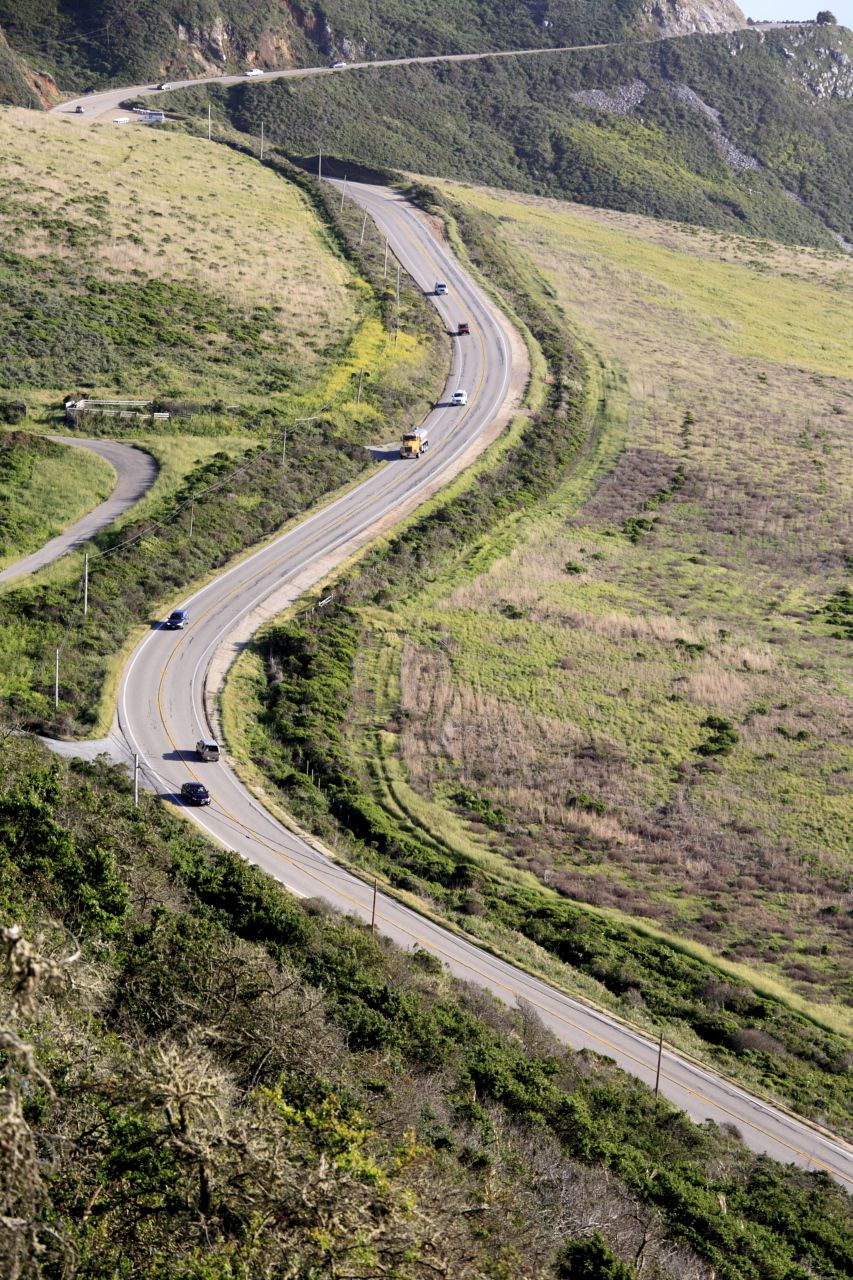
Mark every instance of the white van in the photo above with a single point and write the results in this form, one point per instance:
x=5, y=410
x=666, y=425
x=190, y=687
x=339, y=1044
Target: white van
x=207, y=749
x=459, y=397
x=440, y=287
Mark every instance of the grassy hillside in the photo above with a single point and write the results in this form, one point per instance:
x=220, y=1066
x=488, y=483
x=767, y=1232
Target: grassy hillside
x=638, y=709
x=692, y=591
x=190, y=271
x=83, y=43
x=44, y=487
x=405, y=1126
x=630, y=128
x=236, y=298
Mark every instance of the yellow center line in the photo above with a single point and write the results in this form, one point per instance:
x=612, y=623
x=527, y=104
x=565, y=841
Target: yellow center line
x=429, y=945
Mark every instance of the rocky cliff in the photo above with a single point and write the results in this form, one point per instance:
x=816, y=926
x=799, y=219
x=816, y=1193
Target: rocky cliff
x=684, y=17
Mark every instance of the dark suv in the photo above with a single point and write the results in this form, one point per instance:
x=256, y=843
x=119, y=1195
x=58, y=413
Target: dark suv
x=195, y=793
x=177, y=620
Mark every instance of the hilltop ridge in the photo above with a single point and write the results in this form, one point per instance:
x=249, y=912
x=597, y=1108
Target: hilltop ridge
x=79, y=45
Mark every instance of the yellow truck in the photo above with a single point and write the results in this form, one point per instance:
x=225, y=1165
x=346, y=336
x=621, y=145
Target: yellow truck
x=414, y=443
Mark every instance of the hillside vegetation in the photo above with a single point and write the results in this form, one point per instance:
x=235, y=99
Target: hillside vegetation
x=236, y=297
x=190, y=271
x=750, y=131
x=83, y=42
x=44, y=487
x=229, y=1083
x=639, y=709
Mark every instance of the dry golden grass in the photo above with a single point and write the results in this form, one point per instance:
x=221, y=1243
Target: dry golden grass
x=569, y=684
x=166, y=205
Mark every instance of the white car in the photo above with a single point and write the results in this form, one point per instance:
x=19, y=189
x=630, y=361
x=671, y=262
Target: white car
x=336, y=66
x=459, y=397
x=253, y=71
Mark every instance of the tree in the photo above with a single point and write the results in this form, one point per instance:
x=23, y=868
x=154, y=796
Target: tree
x=826, y=19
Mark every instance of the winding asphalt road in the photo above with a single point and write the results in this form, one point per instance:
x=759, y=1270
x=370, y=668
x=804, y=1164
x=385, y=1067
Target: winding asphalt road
x=167, y=699
x=135, y=472
x=167, y=694
x=106, y=102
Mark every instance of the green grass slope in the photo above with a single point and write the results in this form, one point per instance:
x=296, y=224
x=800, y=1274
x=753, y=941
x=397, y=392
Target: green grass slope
x=44, y=487
x=189, y=271
x=776, y=159
x=228, y=1084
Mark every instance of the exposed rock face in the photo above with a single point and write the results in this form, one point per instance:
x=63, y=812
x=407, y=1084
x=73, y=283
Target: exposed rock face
x=681, y=17
x=620, y=101
x=27, y=85
x=735, y=158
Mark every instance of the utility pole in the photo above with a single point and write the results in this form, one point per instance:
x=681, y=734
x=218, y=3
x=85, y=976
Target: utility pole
x=397, y=326
x=660, y=1055
x=56, y=681
x=85, y=584
x=284, y=446
x=192, y=514
x=385, y=267
x=343, y=193
x=262, y=139
x=320, y=166
x=373, y=911
x=135, y=778
x=208, y=121
x=360, y=380
x=363, y=229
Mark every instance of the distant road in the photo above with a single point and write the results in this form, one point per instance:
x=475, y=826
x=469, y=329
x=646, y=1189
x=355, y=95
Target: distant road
x=98, y=105
x=135, y=471
x=167, y=699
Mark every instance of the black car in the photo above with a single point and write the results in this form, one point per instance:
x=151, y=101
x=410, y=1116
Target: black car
x=195, y=793
x=177, y=620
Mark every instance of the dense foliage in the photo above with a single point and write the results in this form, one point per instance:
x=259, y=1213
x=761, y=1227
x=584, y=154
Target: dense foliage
x=231, y=1084
x=750, y=132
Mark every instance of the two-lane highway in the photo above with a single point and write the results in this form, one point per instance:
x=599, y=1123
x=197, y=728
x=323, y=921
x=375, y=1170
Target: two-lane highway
x=166, y=700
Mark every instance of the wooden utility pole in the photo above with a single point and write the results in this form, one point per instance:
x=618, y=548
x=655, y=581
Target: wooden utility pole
x=85, y=584
x=657, y=1074
x=373, y=911
x=56, y=681
x=135, y=778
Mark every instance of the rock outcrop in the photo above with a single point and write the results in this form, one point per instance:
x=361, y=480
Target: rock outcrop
x=682, y=17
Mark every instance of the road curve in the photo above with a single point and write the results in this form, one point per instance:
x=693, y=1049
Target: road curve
x=135, y=471
x=166, y=700
x=96, y=106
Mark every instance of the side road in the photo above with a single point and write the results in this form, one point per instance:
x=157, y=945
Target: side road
x=135, y=471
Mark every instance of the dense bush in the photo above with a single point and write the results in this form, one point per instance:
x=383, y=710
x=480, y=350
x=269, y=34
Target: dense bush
x=403, y=1126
